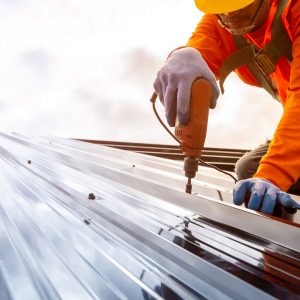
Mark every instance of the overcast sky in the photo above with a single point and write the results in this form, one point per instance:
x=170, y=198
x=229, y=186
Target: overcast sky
x=85, y=69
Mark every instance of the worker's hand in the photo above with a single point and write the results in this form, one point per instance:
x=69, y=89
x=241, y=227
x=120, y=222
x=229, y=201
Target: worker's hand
x=262, y=195
x=173, y=83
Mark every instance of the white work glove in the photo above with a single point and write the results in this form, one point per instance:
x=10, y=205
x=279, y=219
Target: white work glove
x=174, y=80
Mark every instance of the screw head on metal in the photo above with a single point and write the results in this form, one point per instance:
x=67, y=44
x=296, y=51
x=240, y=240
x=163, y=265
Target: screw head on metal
x=92, y=196
x=87, y=221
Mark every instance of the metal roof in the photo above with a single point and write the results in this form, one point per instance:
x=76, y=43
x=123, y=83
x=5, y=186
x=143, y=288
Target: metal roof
x=83, y=221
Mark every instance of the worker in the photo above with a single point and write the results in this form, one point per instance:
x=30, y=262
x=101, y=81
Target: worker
x=260, y=41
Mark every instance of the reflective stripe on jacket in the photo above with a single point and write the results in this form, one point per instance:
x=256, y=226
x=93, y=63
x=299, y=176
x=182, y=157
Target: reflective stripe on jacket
x=281, y=164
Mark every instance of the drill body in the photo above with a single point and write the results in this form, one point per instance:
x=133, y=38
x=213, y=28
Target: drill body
x=192, y=135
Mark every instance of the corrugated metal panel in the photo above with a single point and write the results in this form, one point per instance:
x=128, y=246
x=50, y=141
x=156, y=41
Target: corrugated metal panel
x=221, y=158
x=140, y=238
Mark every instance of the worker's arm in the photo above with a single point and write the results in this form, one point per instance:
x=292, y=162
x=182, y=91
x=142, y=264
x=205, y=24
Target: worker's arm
x=281, y=165
x=213, y=42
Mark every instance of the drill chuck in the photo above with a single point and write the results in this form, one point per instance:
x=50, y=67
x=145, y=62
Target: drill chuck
x=190, y=166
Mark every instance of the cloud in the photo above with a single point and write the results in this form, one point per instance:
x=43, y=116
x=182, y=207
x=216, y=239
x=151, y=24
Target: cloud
x=140, y=66
x=244, y=118
x=37, y=60
x=74, y=69
x=9, y=3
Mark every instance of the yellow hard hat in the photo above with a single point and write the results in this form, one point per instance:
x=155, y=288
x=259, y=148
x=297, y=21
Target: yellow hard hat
x=221, y=6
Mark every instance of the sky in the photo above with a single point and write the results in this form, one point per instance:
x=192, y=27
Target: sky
x=85, y=69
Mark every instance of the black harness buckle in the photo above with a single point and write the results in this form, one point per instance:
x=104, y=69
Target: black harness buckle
x=264, y=63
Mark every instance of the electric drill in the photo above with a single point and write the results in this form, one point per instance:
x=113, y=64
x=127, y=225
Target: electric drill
x=192, y=136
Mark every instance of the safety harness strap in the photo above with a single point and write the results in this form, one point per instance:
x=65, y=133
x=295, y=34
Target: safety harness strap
x=254, y=67
x=260, y=62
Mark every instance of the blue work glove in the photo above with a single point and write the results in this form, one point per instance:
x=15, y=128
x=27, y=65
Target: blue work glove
x=262, y=195
x=174, y=80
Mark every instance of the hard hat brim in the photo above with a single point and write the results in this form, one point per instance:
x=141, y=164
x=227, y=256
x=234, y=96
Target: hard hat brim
x=221, y=6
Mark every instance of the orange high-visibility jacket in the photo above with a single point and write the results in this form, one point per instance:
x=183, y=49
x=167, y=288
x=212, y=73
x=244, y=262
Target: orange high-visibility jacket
x=281, y=164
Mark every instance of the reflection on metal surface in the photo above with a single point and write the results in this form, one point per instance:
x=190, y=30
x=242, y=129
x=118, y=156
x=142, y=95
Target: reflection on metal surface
x=82, y=221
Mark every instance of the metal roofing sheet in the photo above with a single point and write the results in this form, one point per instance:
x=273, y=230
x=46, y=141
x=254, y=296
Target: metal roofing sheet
x=140, y=237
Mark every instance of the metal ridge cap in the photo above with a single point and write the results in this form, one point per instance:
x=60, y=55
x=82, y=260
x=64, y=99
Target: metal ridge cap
x=115, y=143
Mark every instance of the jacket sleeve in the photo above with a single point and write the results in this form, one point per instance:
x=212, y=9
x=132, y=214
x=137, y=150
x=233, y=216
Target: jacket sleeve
x=212, y=41
x=281, y=164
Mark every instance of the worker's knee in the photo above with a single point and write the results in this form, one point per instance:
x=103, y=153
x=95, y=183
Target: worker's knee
x=246, y=166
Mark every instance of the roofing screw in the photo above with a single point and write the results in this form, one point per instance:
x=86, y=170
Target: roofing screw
x=92, y=196
x=29, y=161
x=87, y=221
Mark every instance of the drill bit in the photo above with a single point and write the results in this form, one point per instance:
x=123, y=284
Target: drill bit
x=188, y=187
